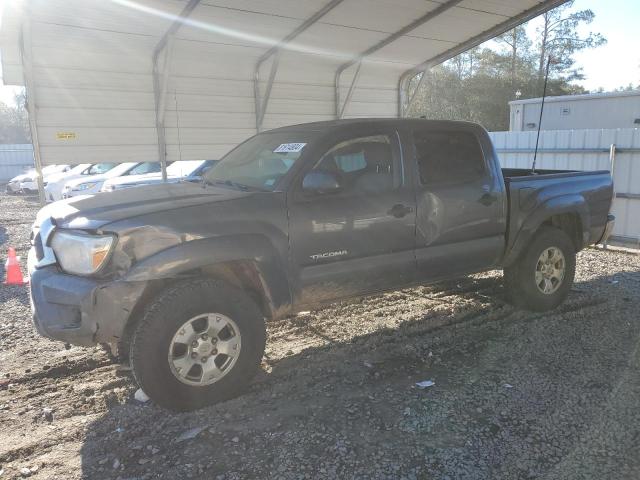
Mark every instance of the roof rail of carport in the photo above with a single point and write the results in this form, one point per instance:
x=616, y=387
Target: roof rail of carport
x=499, y=29
x=160, y=88
x=261, y=104
x=339, y=111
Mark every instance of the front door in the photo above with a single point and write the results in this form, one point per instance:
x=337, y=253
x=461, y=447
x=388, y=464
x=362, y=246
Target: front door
x=360, y=238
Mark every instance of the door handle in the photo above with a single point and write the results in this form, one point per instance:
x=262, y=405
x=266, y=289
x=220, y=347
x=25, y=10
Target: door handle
x=399, y=210
x=487, y=199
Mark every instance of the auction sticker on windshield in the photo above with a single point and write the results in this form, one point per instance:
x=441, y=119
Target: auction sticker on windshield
x=289, y=147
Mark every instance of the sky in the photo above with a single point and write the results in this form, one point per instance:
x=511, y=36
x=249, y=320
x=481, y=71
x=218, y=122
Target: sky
x=613, y=65
x=617, y=63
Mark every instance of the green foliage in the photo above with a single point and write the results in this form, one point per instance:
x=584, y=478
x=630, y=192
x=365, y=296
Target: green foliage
x=14, y=123
x=558, y=37
x=478, y=84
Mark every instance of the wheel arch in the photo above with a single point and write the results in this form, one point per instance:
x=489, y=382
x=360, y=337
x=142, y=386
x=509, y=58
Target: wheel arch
x=569, y=213
x=262, y=275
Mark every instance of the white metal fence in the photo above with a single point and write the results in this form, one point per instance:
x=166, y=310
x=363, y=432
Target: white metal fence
x=558, y=149
x=14, y=160
x=616, y=150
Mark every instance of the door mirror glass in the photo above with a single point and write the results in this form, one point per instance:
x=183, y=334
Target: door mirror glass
x=318, y=182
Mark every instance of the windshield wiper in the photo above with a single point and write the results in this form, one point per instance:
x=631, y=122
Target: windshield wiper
x=230, y=183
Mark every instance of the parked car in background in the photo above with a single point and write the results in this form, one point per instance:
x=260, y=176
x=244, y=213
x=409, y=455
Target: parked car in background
x=28, y=182
x=188, y=171
x=93, y=183
x=55, y=183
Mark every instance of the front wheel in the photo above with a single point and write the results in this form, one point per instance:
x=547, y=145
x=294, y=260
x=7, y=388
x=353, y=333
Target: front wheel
x=541, y=278
x=198, y=343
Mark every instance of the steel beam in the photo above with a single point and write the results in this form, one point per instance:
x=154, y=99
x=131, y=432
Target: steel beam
x=261, y=104
x=352, y=87
x=161, y=78
x=470, y=43
x=160, y=82
x=30, y=94
x=383, y=43
x=412, y=97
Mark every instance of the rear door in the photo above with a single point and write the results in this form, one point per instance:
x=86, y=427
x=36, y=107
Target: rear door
x=460, y=204
x=360, y=239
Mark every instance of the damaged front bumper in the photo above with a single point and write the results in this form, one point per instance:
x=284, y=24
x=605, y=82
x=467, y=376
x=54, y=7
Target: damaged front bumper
x=80, y=310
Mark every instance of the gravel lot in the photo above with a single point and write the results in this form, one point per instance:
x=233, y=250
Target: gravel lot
x=516, y=396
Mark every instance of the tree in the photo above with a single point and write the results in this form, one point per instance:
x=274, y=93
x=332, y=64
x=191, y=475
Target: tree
x=479, y=84
x=14, y=123
x=519, y=50
x=558, y=37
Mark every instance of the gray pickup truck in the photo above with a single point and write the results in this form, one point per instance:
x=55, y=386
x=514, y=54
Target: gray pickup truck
x=182, y=277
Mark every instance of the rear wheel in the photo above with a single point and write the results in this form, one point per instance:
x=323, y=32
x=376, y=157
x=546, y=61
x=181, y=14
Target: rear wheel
x=198, y=343
x=541, y=278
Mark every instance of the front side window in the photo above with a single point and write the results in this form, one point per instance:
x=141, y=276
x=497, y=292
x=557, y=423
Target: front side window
x=448, y=157
x=260, y=162
x=363, y=165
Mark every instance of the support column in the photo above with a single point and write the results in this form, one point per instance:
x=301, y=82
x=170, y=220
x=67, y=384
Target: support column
x=32, y=109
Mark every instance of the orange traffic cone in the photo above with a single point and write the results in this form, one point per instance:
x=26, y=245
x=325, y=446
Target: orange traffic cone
x=12, y=269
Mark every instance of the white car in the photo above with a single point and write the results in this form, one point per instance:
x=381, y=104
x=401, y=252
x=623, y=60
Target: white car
x=189, y=170
x=55, y=183
x=28, y=182
x=93, y=183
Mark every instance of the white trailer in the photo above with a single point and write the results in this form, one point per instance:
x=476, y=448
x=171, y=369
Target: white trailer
x=573, y=112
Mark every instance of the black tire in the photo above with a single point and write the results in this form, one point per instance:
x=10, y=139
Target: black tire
x=520, y=277
x=166, y=314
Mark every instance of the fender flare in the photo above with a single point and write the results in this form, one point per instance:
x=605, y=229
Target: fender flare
x=193, y=257
x=574, y=204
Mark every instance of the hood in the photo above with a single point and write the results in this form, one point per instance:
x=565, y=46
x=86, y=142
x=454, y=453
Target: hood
x=73, y=173
x=95, y=211
x=74, y=182
x=133, y=178
x=20, y=178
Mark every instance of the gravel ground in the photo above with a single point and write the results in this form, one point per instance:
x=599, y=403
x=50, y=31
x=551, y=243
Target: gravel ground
x=517, y=395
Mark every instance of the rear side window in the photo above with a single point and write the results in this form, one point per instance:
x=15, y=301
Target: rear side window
x=448, y=157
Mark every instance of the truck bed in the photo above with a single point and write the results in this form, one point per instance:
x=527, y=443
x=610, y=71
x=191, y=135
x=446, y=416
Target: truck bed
x=531, y=195
x=520, y=173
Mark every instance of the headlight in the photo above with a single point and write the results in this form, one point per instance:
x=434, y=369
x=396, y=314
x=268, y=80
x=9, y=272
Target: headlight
x=84, y=186
x=107, y=188
x=81, y=253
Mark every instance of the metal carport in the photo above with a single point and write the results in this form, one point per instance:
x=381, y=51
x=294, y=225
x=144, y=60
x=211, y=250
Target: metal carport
x=149, y=80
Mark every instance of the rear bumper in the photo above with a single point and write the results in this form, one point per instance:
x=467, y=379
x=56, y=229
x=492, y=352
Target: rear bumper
x=79, y=310
x=611, y=221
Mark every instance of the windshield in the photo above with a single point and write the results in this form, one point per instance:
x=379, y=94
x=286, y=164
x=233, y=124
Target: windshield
x=100, y=168
x=260, y=162
x=183, y=168
x=144, y=168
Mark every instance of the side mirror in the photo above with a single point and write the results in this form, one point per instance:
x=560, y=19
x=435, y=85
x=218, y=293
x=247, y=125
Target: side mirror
x=319, y=183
